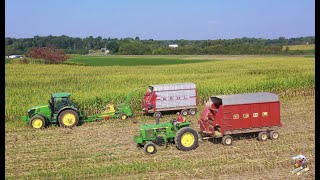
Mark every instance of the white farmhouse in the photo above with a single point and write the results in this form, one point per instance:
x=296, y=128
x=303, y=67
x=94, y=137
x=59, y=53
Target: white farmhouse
x=15, y=56
x=173, y=45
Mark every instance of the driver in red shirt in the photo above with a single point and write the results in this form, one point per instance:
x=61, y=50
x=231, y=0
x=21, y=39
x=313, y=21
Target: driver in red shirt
x=180, y=118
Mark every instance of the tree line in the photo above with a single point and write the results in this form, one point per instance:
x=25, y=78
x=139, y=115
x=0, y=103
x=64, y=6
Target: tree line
x=135, y=46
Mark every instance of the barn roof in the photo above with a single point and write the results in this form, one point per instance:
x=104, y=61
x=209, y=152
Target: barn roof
x=245, y=98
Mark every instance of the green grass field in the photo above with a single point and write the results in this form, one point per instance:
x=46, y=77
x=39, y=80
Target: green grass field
x=128, y=60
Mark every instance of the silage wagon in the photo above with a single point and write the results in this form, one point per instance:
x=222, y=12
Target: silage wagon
x=181, y=97
x=227, y=115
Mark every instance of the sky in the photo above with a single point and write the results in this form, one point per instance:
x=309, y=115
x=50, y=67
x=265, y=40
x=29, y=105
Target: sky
x=160, y=19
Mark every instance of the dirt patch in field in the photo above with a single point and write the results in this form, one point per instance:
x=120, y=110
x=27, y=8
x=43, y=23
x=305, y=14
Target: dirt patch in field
x=106, y=150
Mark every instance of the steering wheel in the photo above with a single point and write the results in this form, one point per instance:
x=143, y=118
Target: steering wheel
x=173, y=120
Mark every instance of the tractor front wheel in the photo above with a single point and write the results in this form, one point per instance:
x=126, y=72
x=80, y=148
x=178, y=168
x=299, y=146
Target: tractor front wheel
x=150, y=148
x=37, y=122
x=186, y=139
x=68, y=118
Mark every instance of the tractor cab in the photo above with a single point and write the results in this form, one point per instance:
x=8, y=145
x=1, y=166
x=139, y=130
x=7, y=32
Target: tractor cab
x=58, y=101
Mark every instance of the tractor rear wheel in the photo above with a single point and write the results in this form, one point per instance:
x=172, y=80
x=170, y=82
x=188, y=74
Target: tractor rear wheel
x=184, y=112
x=157, y=114
x=123, y=116
x=150, y=148
x=273, y=135
x=263, y=136
x=192, y=112
x=227, y=140
x=186, y=139
x=68, y=118
x=37, y=122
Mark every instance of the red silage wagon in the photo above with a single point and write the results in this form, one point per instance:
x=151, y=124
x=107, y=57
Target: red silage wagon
x=227, y=115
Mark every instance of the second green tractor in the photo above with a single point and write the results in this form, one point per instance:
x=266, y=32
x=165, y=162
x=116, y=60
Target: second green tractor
x=153, y=135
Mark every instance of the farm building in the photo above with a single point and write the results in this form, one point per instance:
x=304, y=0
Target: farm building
x=173, y=46
x=15, y=56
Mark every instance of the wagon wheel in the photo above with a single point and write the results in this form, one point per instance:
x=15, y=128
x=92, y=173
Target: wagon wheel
x=157, y=114
x=37, y=122
x=227, y=140
x=184, y=112
x=150, y=148
x=273, y=135
x=68, y=118
x=186, y=139
x=263, y=136
x=192, y=112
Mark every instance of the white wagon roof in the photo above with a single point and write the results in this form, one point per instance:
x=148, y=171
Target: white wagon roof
x=176, y=86
x=247, y=98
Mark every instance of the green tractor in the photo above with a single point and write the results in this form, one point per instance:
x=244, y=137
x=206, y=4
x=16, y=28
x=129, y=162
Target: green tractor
x=61, y=110
x=184, y=137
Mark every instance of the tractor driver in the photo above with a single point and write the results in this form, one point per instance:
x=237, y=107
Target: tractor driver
x=179, y=119
x=61, y=103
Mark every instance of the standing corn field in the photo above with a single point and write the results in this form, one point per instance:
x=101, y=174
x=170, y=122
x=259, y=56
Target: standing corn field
x=30, y=84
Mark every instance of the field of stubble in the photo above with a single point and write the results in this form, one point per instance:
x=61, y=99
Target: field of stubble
x=105, y=150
